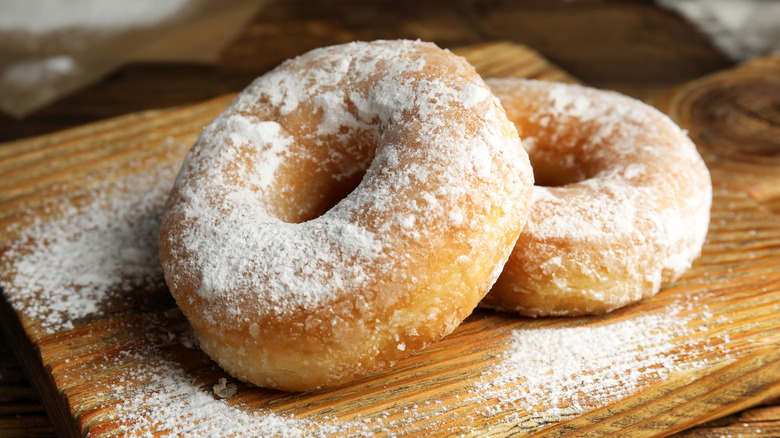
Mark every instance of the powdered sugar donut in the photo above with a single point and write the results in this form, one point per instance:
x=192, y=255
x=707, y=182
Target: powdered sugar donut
x=621, y=206
x=348, y=208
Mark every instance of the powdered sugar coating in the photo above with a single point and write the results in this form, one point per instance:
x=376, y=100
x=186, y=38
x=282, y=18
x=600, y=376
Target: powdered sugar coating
x=621, y=206
x=264, y=228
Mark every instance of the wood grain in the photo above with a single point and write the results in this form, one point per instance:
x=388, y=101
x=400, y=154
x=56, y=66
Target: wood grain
x=730, y=297
x=20, y=408
x=733, y=117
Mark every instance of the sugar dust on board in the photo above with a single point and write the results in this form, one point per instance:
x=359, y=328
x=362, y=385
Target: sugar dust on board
x=69, y=268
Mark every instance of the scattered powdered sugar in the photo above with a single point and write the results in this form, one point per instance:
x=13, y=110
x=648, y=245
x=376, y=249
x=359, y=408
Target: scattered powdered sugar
x=66, y=269
x=151, y=393
x=540, y=375
x=171, y=403
x=550, y=374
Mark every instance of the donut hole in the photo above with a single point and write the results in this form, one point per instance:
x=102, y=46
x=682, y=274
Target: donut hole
x=556, y=166
x=566, y=152
x=315, y=185
x=333, y=194
x=551, y=173
x=311, y=197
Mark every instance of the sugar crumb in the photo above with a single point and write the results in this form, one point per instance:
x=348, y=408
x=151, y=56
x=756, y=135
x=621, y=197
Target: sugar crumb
x=224, y=389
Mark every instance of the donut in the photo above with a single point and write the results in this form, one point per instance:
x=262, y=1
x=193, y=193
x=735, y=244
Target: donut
x=620, y=208
x=347, y=209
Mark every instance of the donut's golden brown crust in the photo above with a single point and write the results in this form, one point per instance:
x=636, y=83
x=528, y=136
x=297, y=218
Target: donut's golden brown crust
x=430, y=186
x=621, y=205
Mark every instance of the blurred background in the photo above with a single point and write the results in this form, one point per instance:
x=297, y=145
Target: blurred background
x=67, y=63
x=63, y=64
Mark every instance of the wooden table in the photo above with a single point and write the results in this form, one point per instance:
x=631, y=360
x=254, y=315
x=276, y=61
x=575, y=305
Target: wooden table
x=629, y=46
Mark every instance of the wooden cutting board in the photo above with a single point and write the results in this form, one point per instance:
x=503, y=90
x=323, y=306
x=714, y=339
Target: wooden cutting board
x=86, y=312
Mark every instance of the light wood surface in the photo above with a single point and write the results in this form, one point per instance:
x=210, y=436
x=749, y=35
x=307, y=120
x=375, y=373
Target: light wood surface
x=737, y=281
